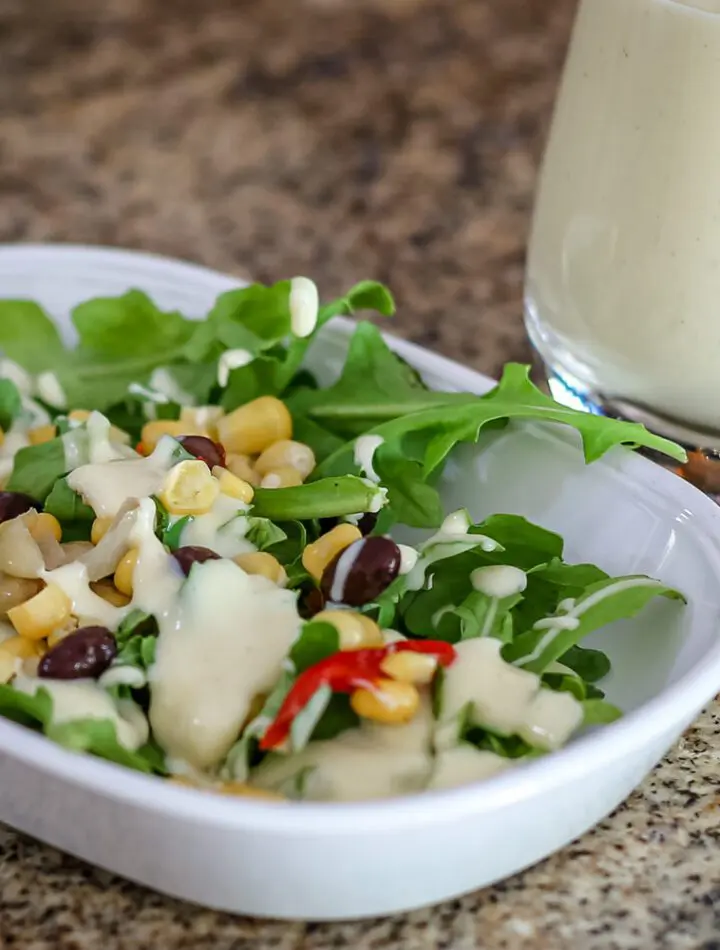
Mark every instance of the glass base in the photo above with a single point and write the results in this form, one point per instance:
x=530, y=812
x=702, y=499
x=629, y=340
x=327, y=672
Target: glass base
x=703, y=448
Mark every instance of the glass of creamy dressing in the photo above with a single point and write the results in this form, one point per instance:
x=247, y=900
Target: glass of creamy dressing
x=623, y=278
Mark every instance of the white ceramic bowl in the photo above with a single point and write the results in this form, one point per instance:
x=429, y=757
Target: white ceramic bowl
x=339, y=861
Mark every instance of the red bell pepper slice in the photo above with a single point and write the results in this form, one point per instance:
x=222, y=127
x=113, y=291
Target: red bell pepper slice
x=345, y=672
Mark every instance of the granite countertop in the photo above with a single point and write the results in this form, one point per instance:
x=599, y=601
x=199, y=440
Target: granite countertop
x=396, y=139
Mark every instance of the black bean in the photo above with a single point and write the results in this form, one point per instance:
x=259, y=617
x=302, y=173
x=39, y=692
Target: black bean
x=212, y=453
x=311, y=602
x=193, y=554
x=367, y=523
x=372, y=565
x=14, y=503
x=87, y=652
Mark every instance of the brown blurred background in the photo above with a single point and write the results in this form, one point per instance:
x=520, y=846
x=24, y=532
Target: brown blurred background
x=344, y=139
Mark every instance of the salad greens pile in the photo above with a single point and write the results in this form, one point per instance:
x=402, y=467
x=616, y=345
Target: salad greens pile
x=134, y=362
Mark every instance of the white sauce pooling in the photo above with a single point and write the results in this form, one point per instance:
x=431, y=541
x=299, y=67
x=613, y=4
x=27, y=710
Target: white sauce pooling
x=362, y=764
x=222, y=529
x=505, y=699
x=364, y=449
x=221, y=643
x=465, y=764
x=106, y=486
x=74, y=700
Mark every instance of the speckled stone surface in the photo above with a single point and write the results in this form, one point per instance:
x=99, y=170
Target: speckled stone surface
x=395, y=139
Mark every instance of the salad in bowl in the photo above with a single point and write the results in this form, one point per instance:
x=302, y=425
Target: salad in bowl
x=207, y=571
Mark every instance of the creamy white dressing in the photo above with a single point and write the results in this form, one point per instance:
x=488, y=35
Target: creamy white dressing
x=86, y=604
x=157, y=579
x=344, y=566
x=364, y=449
x=221, y=643
x=15, y=439
x=506, y=699
x=162, y=381
x=362, y=764
x=570, y=611
x=465, y=764
x=408, y=558
x=499, y=580
x=75, y=446
x=50, y=391
x=458, y=522
x=304, y=306
x=100, y=447
x=230, y=360
x=11, y=370
x=123, y=675
x=106, y=486
x=73, y=700
x=222, y=529
x=151, y=395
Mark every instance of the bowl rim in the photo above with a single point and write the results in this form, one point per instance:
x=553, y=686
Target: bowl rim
x=671, y=707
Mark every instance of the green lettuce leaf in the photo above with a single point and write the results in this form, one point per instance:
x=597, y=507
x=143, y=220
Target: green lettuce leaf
x=37, y=468
x=10, y=404
x=429, y=434
x=130, y=325
x=28, y=336
x=609, y=600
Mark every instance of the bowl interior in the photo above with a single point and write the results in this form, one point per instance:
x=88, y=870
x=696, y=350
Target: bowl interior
x=616, y=513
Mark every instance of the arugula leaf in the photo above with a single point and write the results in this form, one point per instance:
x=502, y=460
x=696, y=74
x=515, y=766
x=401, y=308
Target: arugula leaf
x=509, y=747
x=28, y=336
x=331, y=497
x=67, y=505
x=264, y=533
x=98, y=737
x=37, y=468
x=275, y=366
x=598, y=712
x=10, y=403
x=375, y=385
x=431, y=433
x=136, y=638
x=129, y=325
x=601, y=604
x=590, y=665
x=26, y=709
x=171, y=534
x=317, y=640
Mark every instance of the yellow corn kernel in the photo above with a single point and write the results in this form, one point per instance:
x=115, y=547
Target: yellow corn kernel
x=241, y=465
x=44, y=525
x=153, y=431
x=41, y=434
x=407, y=667
x=39, y=616
x=59, y=633
x=100, y=528
x=189, y=488
x=286, y=477
x=317, y=556
x=356, y=631
x=248, y=791
x=254, y=427
x=21, y=648
x=259, y=562
x=79, y=415
x=286, y=454
x=107, y=590
x=390, y=703
x=233, y=486
x=7, y=666
x=202, y=417
x=123, y=578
